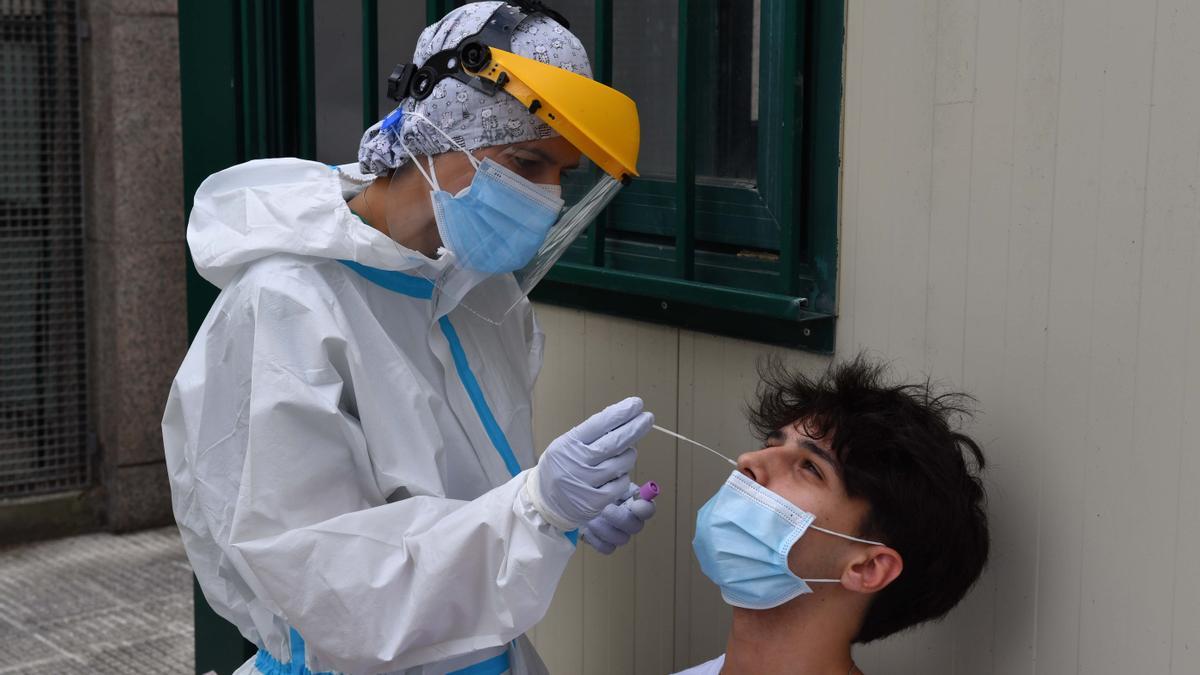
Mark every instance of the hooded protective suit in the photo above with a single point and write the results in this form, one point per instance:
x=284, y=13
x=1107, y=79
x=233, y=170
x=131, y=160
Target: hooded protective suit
x=346, y=441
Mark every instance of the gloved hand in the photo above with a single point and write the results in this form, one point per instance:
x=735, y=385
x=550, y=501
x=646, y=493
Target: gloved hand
x=618, y=522
x=587, y=468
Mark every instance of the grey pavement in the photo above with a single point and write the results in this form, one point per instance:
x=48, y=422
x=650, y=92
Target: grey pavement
x=97, y=603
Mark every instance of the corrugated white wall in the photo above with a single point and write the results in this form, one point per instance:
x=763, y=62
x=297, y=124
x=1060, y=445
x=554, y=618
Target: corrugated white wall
x=1020, y=219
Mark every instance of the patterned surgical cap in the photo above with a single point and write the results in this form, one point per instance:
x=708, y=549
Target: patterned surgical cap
x=470, y=117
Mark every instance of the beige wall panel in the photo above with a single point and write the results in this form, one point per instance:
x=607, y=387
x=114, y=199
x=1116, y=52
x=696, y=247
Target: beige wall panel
x=1106, y=639
x=1168, y=259
x=1014, y=487
x=624, y=358
x=896, y=92
x=954, y=75
x=701, y=618
x=711, y=391
x=887, y=230
x=1168, y=417
x=654, y=548
x=1185, y=593
x=1069, y=334
x=946, y=276
x=558, y=405
x=991, y=171
x=608, y=614
x=610, y=374
x=852, y=105
x=1053, y=341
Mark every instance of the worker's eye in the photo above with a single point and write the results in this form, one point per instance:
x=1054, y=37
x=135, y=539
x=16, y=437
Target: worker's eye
x=525, y=163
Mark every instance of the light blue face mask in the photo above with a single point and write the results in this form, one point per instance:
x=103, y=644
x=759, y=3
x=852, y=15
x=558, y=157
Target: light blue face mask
x=743, y=536
x=496, y=224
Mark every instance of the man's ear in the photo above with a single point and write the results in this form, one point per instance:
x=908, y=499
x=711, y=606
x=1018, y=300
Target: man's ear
x=872, y=570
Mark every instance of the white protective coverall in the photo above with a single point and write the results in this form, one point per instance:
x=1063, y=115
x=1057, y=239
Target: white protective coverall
x=346, y=442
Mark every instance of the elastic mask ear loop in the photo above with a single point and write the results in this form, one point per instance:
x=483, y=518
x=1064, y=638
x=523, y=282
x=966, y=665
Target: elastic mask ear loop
x=431, y=175
x=433, y=172
x=456, y=144
x=846, y=536
x=416, y=162
x=843, y=536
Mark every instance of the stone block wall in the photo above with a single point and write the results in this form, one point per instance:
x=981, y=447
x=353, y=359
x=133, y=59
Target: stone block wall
x=137, y=331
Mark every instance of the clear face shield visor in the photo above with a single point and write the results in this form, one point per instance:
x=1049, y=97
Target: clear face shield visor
x=546, y=213
x=584, y=201
x=598, y=121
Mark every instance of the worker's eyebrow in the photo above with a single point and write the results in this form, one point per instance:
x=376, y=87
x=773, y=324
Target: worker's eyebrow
x=547, y=157
x=776, y=437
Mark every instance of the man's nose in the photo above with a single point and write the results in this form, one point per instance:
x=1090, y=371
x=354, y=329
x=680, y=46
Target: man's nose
x=752, y=464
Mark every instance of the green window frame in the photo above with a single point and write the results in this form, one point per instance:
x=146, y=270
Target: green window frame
x=756, y=261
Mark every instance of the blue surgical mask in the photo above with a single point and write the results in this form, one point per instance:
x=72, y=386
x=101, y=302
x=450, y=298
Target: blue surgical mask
x=743, y=537
x=498, y=223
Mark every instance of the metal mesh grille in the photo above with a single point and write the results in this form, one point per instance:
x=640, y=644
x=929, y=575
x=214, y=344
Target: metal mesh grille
x=43, y=378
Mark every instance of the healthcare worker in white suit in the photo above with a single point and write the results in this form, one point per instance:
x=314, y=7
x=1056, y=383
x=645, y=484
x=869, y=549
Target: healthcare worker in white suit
x=349, y=438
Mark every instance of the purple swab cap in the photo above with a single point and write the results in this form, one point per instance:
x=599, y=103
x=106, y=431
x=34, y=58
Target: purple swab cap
x=648, y=491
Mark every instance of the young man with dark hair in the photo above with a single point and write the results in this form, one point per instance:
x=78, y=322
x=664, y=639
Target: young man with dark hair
x=860, y=517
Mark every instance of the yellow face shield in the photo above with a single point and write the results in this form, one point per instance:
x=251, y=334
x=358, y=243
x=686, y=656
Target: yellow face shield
x=599, y=120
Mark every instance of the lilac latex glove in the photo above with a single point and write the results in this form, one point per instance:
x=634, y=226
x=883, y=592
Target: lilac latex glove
x=587, y=468
x=618, y=522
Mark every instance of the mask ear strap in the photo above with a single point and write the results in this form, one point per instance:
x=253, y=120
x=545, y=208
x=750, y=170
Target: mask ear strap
x=843, y=536
x=846, y=536
x=456, y=144
x=433, y=172
x=416, y=162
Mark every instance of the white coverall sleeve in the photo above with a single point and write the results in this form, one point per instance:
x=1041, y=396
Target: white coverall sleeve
x=371, y=586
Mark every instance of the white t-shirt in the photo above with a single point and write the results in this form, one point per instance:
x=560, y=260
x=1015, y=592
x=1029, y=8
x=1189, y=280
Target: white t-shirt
x=707, y=668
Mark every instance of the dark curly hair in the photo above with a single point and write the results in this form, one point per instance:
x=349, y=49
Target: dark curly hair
x=899, y=452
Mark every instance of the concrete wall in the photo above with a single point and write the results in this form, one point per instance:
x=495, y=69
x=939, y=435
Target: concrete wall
x=1019, y=218
x=135, y=250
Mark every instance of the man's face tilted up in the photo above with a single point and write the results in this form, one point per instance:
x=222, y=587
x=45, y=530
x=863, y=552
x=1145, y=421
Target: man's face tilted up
x=800, y=467
x=861, y=516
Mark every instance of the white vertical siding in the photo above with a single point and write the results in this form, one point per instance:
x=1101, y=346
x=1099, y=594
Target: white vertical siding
x=612, y=612
x=1020, y=219
x=1169, y=320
